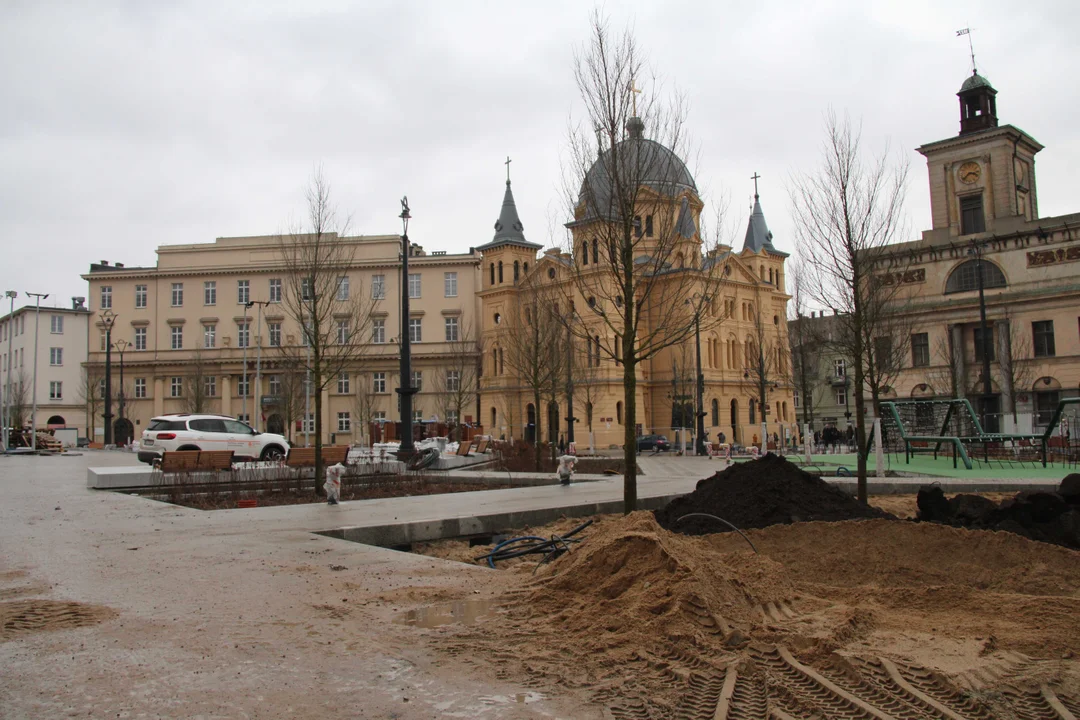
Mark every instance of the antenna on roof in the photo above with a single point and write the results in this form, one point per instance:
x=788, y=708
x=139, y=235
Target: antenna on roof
x=967, y=31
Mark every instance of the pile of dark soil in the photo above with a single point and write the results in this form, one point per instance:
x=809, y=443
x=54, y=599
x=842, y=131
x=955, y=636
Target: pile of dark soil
x=760, y=493
x=1045, y=516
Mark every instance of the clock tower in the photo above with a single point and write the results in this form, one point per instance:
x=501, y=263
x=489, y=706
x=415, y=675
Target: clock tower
x=983, y=180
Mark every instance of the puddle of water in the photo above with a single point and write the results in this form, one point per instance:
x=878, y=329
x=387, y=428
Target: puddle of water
x=521, y=698
x=465, y=612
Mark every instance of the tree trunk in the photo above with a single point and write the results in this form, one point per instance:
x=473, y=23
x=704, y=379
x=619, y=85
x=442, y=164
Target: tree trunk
x=317, y=389
x=860, y=428
x=629, y=429
x=536, y=429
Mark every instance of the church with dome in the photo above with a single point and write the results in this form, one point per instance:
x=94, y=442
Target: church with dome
x=647, y=238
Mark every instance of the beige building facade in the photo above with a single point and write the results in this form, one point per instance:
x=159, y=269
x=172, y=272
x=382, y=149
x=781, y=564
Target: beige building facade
x=749, y=302
x=984, y=206
x=187, y=322
x=60, y=335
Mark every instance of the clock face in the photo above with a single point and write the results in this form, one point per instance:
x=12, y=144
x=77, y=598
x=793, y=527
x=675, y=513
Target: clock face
x=970, y=172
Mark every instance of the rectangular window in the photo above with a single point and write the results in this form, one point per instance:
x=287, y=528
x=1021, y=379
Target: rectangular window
x=920, y=350
x=243, y=385
x=378, y=331
x=140, y=388
x=1045, y=405
x=883, y=350
x=417, y=416
x=243, y=334
x=414, y=285
x=243, y=291
x=378, y=382
x=794, y=401
x=308, y=423
x=305, y=288
x=178, y=294
x=343, y=383
x=56, y=390
x=980, y=345
x=274, y=330
x=176, y=387
x=414, y=330
x=840, y=367
x=57, y=325
x=177, y=337
x=452, y=417
x=417, y=380
x=971, y=215
x=275, y=290
x=274, y=385
x=1043, y=336
x=841, y=397
x=379, y=415
x=106, y=297
x=140, y=296
x=451, y=329
x=140, y=338
x=343, y=333
x=244, y=418
x=210, y=292
x=450, y=284
x=648, y=226
x=343, y=422
x=378, y=287
x=56, y=356
x=343, y=288
x=210, y=386
x=209, y=333
x=453, y=381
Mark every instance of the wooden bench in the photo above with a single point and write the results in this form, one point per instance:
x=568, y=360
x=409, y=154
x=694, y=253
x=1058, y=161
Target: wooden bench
x=463, y=448
x=483, y=446
x=179, y=461
x=305, y=457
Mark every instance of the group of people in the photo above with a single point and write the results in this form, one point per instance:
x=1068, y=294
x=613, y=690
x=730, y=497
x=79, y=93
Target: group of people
x=832, y=437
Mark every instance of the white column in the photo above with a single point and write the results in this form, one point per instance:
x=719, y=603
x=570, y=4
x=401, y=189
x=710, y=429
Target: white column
x=880, y=451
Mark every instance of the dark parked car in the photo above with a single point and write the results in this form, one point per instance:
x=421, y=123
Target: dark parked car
x=82, y=442
x=656, y=443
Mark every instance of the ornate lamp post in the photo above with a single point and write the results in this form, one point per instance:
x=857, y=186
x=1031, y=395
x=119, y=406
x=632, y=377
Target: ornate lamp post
x=258, y=358
x=988, y=393
x=37, y=333
x=108, y=319
x=121, y=347
x=699, y=443
x=406, y=391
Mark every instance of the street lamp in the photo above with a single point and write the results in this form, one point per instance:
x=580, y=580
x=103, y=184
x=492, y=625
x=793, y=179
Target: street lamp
x=247, y=341
x=108, y=319
x=699, y=445
x=975, y=250
x=38, y=297
x=406, y=391
x=258, y=359
x=121, y=346
x=11, y=295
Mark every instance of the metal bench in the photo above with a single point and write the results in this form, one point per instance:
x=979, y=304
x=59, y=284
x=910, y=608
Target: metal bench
x=305, y=457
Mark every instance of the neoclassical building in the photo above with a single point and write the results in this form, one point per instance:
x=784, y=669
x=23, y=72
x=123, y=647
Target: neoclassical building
x=749, y=303
x=984, y=205
x=184, y=321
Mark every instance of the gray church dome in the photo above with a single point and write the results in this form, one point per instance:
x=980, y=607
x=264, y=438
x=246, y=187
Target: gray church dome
x=975, y=81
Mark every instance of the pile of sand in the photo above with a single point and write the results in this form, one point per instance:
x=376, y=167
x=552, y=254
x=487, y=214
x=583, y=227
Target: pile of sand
x=760, y=493
x=633, y=580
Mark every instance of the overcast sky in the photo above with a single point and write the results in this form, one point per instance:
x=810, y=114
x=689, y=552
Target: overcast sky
x=125, y=126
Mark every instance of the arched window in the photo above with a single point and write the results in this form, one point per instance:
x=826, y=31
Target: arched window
x=492, y=273
x=618, y=412
x=965, y=277
x=595, y=250
x=498, y=318
x=770, y=276
x=517, y=271
x=500, y=271
x=502, y=362
x=494, y=361
x=585, y=253
x=525, y=268
x=715, y=412
x=494, y=416
x=785, y=411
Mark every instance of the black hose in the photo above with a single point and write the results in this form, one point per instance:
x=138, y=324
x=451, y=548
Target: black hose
x=550, y=548
x=721, y=520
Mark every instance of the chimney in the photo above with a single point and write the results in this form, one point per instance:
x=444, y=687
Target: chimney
x=119, y=265
x=77, y=303
x=104, y=262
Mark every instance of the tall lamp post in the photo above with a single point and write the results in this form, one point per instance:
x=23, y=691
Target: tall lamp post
x=10, y=295
x=38, y=297
x=988, y=393
x=108, y=318
x=699, y=444
x=121, y=347
x=258, y=358
x=406, y=391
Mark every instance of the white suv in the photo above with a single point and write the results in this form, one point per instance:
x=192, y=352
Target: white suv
x=209, y=432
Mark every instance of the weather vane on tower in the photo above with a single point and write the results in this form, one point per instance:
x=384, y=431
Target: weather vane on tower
x=967, y=31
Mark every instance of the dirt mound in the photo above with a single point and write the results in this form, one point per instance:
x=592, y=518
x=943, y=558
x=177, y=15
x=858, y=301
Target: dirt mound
x=634, y=582
x=760, y=493
x=1044, y=516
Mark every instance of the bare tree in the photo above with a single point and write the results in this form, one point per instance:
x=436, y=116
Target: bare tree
x=634, y=239
x=197, y=395
x=766, y=366
x=288, y=377
x=846, y=213
x=890, y=347
x=584, y=373
x=683, y=385
x=364, y=403
x=941, y=376
x=806, y=345
x=331, y=309
x=457, y=379
x=1014, y=363
x=524, y=344
x=19, y=398
x=91, y=393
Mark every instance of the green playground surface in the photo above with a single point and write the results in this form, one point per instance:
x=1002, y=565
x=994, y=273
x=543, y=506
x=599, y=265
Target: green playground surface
x=943, y=466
